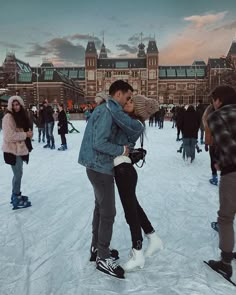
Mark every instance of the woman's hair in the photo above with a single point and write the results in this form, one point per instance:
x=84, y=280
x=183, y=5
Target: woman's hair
x=21, y=118
x=62, y=106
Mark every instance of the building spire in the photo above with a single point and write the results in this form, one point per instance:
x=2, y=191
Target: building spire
x=141, y=46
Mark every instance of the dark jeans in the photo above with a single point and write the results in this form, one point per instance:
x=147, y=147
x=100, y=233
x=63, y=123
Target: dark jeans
x=104, y=211
x=126, y=180
x=178, y=132
x=201, y=134
x=189, y=147
x=49, y=133
x=212, y=156
x=18, y=173
x=63, y=139
x=41, y=132
x=161, y=125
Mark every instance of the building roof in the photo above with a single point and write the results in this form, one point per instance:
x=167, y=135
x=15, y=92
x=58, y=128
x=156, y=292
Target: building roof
x=152, y=47
x=121, y=63
x=20, y=65
x=141, y=50
x=103, y=52
x=199, y=63
x=47, y=65
x=182, y=72
x=232, y=50
x=91, y=48
x=221, y=63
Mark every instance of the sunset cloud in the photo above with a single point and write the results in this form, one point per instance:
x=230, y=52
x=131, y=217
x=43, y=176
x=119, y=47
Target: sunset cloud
x=198, y=41
x=200, y=21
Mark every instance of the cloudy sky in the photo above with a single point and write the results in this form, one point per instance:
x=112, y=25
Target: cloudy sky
x=185, y=30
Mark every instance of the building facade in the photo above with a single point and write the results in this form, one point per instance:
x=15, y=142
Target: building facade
x=171, y=85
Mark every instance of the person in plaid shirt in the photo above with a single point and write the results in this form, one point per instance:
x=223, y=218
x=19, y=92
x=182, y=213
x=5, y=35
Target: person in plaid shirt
x=222, y=123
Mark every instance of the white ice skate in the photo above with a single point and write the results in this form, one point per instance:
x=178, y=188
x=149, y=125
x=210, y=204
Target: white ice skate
x=137, y=260
x=154, y=244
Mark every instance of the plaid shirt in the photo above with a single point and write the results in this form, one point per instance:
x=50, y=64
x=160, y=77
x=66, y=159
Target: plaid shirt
x=222, y=124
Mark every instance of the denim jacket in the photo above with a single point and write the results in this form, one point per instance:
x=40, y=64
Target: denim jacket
x=102, y=140
x=130, y=129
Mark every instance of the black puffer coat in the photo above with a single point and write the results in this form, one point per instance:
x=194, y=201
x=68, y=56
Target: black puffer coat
x=62, y=123
x=190, y=123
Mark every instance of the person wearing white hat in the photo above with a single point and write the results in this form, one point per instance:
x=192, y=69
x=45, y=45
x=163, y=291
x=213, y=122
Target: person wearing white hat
x=16, y=146
x=139, y=108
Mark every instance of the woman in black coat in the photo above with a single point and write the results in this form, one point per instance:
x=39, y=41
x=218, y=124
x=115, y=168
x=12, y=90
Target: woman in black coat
x=189, y=125
x=62, y=127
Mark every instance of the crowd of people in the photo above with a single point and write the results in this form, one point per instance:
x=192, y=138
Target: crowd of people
x=107, y=151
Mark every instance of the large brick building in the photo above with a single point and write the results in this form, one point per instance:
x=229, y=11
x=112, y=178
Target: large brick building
x=169, y=84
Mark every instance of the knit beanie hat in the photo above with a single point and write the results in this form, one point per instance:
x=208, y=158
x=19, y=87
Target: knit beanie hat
x=100, y=97
x=144, y=107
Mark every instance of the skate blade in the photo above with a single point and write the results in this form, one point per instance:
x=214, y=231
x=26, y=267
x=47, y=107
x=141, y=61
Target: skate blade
x=222, y=275
x=18, y=208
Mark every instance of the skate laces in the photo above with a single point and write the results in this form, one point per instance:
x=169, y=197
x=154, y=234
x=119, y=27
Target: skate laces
x=110, y=262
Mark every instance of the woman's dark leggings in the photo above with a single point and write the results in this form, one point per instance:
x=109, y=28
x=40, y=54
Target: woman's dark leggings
x=126, y=180
x=63, y=139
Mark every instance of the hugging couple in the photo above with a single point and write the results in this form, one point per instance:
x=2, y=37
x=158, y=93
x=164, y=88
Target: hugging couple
x=110, y=135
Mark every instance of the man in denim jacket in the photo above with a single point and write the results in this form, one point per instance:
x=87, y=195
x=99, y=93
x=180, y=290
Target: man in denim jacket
x=97, y=153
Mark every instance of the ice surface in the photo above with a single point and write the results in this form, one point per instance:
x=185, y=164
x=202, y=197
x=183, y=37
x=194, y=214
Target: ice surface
x=44, y=249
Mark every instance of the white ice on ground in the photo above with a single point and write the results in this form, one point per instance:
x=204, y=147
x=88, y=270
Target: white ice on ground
x=44, y=250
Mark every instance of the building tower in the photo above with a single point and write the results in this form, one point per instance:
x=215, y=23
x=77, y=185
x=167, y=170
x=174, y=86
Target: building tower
x=232, y=53
x=141, y=47
x=90, y=71
x=152, y=69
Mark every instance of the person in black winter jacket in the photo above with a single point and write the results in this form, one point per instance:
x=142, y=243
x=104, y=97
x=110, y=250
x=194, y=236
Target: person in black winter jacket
x=189, y=125
x=62, y=127
x=179, y=117
x=49, y=125
x=41, y=125
x=200, y=110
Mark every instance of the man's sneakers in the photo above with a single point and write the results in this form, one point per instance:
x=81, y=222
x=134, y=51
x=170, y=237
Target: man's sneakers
x=114, y=254
x=110, y=267
x=154, y=244
x=137, y=260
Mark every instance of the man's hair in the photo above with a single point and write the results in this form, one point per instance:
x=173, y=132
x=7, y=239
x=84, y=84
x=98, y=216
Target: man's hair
x=120, y=85
x=200, y=101
x=225, y=93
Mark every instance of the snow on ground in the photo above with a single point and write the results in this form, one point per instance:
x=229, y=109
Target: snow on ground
x=44, y=249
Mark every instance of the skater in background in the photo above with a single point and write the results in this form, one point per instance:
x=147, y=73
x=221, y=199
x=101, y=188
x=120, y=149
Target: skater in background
x=189, y=126
x=62, y=127
x=140, y=109
x=209, y=144
x=151, y=120
x=162, y=117
x=41, y=125
x=17, y=146
x=200, y=110
x=179, y=117
x=157, y=118
x=49, y=124
x=87, y=114
x=173, y=118
x=222, y=124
